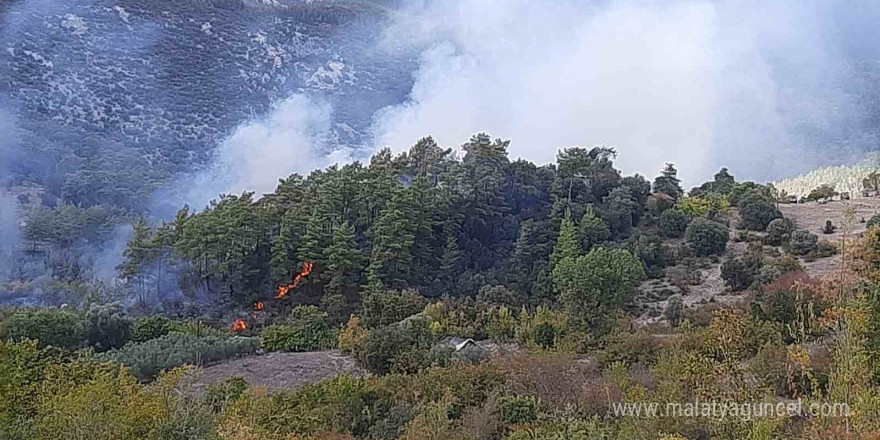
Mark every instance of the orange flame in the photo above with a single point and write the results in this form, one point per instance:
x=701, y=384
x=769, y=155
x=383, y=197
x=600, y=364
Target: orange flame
x=285, y=290
x=239, y=325
x=258, y=305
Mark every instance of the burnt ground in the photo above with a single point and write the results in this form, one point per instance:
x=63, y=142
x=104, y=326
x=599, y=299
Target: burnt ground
x=280, y=371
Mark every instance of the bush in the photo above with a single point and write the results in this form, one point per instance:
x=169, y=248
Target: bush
x=739, y=273
x=803, y=242
x=829, y=227
x=108, y=328
x=306, y=330
x=779, y=231
x=874, y=221
x=352, y=336
x=500, y=323
x=674, y=311
x=640, y=348
x=389, y=306
x=51, y=327
x=826, y=248
x=651, y=250
x=706, y=237
x=824, y=191
x=499, y=296
x=777, y=268
x=756, y=212
x=517, y=410
x=402, y=347
x=673, y=223
x=150, y=327
x=146, y=360
x=226, y=392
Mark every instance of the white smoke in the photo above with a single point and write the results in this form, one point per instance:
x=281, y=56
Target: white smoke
x=692, y=82
x=295, y=137
x=289, y=140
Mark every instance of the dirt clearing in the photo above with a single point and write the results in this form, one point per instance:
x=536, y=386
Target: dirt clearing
x=280, y=371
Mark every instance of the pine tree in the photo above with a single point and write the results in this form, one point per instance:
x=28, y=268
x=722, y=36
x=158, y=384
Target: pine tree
x=668, y=182
x=568, y=244
x=593, y=230
x=392, y=237
x=314, y=241
x=283, y=251
x=450, y=263
x=344, y=261
x=137, y=254
x=422, y=225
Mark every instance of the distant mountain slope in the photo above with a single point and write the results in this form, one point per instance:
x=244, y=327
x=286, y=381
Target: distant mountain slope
x=843, y=177
x=114, y=85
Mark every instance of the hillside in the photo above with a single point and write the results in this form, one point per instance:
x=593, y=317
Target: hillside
x=110, y=91
x=844, y=178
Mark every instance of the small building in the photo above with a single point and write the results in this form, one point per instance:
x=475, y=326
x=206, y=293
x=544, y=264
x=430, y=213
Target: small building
x=458, y=344
x=791, y=199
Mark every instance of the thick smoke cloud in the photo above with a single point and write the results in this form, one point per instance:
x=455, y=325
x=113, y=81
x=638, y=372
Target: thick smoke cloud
x=294, y=137
x=700, y=83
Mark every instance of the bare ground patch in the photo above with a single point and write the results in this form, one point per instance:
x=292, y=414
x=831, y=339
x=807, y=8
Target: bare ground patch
x=280, y=371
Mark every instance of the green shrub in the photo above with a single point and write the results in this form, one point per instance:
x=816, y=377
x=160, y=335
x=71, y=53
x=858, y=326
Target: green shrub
x=499, y=296
x=739, y=273
x=389, y=306
x=147, y=359
x=51, y=327
x=779, y=231
x=874, y=221
x=640, y=348
x=517, y=410
x=826, y=248
x=226, y=392
x=307, y=329
x=651, y=250
x=803, y=242
x=108, y=327
x=500, y=323
x=823, y=191
x=545, y=335
x=402, y=347
x=756, y=212
x=150, y=327
x=673, y=223
x=706, y=237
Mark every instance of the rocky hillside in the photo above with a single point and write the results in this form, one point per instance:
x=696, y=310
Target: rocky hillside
x=101, y=85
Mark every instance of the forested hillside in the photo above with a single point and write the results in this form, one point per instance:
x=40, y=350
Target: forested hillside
x=422, y=220
x=487, y=298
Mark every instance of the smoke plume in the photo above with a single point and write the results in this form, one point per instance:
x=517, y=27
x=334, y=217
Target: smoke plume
x=700, y=83
x=294, y=137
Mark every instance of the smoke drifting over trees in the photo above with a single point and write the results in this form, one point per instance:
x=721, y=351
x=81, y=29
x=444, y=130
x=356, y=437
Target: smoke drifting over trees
x=704, y=83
